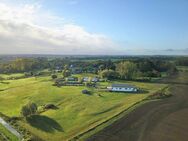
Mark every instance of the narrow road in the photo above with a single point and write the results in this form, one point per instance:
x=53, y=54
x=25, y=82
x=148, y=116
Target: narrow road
x=164, y=120
x=8, y=127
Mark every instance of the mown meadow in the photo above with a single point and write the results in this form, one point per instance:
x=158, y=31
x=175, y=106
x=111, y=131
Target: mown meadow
x=76, y=112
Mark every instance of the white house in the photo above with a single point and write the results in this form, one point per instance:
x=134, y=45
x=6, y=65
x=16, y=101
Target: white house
x=122, y=88
x=95, y=79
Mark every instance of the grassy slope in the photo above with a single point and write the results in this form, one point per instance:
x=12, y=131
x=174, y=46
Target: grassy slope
x=6, y=76
x=7, y=134
x=76, y=113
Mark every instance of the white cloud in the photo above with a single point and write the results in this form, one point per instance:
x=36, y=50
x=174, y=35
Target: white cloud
x=29, y=29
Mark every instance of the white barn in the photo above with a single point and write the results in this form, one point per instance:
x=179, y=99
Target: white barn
x=122, y=88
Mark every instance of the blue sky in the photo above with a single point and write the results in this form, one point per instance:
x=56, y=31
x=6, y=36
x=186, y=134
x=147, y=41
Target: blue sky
x=129, y=20
x=133, y=26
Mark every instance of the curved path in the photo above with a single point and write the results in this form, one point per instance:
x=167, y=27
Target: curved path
x=163, y=120
x=9, y=128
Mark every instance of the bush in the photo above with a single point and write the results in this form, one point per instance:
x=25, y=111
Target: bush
x=28, y=74
x=50, y=106
x=14, y=118
x=54, y=76
x=85, y=92
x=164, y=93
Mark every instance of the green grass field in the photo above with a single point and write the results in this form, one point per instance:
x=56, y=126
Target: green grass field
x=76, y=112
x=5, y=134
x=183, y=68
x=7, y=76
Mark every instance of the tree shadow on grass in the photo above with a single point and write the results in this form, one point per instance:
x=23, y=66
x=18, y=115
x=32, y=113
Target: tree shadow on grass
x=44, y=123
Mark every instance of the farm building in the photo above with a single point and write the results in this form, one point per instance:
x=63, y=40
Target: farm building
x=95, y=79
x=72, y=78
x=86, y=79
x=122, y=88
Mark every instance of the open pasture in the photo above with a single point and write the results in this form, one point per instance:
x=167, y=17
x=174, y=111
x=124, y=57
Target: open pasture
x=76, y=112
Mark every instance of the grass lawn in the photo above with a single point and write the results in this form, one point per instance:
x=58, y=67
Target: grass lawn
x=4, y=133
x=7, y=76
x=76, y=112
x=183, y=68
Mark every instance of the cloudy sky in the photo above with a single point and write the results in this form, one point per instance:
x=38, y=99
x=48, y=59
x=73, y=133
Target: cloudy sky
x=92, y=27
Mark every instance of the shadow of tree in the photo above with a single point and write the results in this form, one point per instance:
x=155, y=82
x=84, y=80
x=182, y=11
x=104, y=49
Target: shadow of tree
x=44, y=123
x=5, y=82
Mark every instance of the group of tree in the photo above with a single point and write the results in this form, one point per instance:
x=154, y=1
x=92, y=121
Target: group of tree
x=130, y=70
x=23, y=65
x=66, y=71
x=29, y=109
x=183, y=61
x=109, y=74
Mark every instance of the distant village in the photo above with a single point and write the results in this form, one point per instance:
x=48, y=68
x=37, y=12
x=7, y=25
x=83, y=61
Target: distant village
x=71, y=80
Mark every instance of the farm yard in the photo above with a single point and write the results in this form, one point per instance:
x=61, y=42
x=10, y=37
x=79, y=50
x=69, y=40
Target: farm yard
x=76, y=112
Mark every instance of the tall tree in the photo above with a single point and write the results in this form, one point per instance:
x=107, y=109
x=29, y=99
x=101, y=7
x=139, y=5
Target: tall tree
x=29, y=109
x=109, y=74
x=127, y=70
x=66, y=72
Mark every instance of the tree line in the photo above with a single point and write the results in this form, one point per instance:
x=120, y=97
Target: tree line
x=121, y=69
x=183, y=61
x=130, y=70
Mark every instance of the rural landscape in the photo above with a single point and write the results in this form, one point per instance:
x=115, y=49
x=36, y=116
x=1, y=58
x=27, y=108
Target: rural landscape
x=68, y=98
x=93, y=70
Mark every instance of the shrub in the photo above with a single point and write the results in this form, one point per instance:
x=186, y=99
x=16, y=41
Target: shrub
x=85, y=92
x=54, y=76
x=50, y=106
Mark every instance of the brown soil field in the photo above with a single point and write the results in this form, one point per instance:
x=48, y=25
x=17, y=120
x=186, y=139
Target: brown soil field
x=161, y=120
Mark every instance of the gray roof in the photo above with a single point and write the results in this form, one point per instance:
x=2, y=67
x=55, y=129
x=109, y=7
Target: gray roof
x=123, y=86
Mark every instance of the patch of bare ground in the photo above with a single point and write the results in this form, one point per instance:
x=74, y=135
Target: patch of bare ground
x=162, y=120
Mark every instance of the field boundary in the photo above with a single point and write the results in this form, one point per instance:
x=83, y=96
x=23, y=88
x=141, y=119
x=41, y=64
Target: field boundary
x=10, y=128
x=109, y=121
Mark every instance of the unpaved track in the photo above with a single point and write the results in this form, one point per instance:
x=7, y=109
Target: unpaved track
x=164, y=120
x=9, y=128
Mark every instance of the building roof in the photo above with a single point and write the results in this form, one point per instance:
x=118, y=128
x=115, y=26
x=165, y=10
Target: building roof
x=123, y=86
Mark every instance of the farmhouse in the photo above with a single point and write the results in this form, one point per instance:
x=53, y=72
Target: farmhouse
x=122, y=88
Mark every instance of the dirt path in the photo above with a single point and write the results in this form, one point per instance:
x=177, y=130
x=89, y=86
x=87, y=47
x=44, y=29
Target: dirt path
x=164, y=120
x=9, y=128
